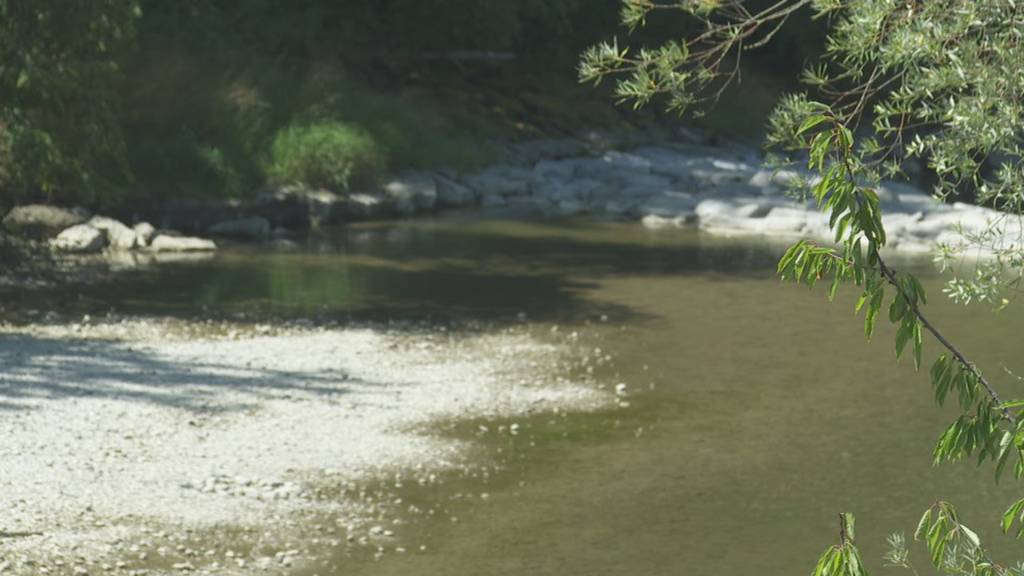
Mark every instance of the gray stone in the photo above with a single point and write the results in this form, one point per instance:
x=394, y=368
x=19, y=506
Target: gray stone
x=42, y=221
x=718, y=177
x=780, y=179
x=571, y=207
x=639, y=181
x=667, y=205
x=668, y=162
x=256, y=228
x=625, y=161
x=493, y=201
x=782, y=220
x=144, y=232
x=554, y=170
x=655, y=222
x=119, y=236
x=80, y=239
x=556, y=191
x=712, y=208
x=451, y=194
x=166, y=243
x=500, y=180
x=411, y=192
x=362, y=206
x=284, y=245
x=298, y=206
x=621, y=206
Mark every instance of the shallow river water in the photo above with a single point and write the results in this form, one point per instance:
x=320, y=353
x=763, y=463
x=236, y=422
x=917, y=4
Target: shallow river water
x=757, y=410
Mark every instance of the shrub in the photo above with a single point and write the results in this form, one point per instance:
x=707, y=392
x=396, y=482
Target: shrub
x=326, y=155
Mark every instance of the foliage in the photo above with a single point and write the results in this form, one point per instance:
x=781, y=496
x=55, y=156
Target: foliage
x=58, y=65
x=324, y=155
x=938, y=80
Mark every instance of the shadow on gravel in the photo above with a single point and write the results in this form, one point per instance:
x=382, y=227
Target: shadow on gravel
x=39, y=368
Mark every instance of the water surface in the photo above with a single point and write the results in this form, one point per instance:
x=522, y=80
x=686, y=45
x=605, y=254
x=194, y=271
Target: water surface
x=757, y=410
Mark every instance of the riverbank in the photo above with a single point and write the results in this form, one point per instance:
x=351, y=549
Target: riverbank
x=685, y=182
x=146, y=446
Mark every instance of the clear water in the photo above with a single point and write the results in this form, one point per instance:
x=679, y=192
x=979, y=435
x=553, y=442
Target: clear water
x=758, y=412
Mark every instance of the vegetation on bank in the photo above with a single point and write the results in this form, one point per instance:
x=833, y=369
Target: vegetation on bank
x=115, y=103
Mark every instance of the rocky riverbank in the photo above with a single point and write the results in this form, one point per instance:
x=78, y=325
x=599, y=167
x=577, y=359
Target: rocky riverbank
x=724, y=189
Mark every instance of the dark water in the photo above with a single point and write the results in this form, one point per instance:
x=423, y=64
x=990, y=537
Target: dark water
x=758, y=412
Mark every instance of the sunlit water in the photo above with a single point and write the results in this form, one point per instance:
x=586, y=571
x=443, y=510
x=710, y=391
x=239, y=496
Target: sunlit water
x=757, y=411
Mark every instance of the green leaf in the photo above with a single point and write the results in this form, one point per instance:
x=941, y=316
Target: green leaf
x=874, y=305
x=923, y=524
x=1011, y=514
x=811, y=122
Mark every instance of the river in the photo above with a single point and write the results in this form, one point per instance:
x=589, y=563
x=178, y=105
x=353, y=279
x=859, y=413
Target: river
x=756, y=410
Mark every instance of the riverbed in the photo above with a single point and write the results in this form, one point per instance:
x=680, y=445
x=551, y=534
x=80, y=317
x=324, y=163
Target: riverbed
x=751, y=411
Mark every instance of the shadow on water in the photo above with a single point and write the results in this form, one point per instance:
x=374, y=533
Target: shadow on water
x=422, y=270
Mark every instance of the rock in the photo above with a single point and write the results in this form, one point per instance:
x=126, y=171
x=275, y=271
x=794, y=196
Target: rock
x=620, y=206
x=412, y=192
x=655, y=222
x=718, y=177
x=778, y=179
x=119, y=236
x=500, y=180
x=298, y=207
x=571, y=207
x=364, y=206
x=782, y=220
x=42, y=221
x=166, y=243
x=256, y=228
x=667, y=162
x=625, y=161
x=668, y=204
x=80, y=239
x=144, y=232
x=451, y=194
x=712, y=208
x=284, y=245
x=556, y=191
x=493, y=201
x=554, y=170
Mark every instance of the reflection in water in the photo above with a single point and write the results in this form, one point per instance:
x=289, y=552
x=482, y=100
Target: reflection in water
x=757, y=410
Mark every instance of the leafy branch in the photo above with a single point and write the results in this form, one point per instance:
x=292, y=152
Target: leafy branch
x=988, y=427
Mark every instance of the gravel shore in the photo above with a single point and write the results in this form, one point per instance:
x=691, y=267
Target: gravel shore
x=125, y=442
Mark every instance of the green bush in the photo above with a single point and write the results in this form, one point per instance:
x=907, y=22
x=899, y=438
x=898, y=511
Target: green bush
x=327, y=155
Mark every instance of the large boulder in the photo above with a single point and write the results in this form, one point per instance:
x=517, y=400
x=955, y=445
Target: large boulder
x=298, y=207
x=365, y=206
x=42, y=221
x=667, y=204
x=144, y=232
x=256, y=228
x=167, y=243
x=451, y=194
x=80, y=239
x=119, y=236
x=411, y=192
x=500, y=180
